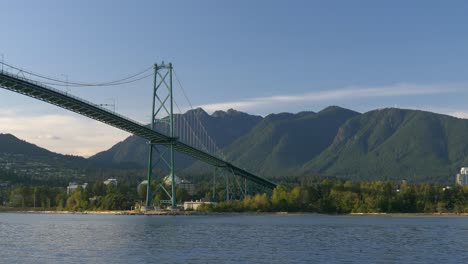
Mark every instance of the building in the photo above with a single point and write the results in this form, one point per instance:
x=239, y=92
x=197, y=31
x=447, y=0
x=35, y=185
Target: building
x=111, y=181
x=180, y=183
x=194, y=205
x=145, y=182
x=462, y=177
x=72, y=186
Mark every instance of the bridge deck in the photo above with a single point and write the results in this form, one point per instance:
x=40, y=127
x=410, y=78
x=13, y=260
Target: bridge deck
x=80, y=106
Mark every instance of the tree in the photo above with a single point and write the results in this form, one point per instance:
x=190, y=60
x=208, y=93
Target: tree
x=78, y=200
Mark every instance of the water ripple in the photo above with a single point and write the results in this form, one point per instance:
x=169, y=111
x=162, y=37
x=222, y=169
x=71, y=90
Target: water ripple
x=231, y=239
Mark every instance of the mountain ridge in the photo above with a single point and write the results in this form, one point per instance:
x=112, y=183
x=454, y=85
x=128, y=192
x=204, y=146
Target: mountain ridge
x=382, y=144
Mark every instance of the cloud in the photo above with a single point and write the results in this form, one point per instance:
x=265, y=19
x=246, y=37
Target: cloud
x=401, y=89
x=64, y=133
x=69, y=133
x=49, y=137
x=451, y=111
x=459, y=114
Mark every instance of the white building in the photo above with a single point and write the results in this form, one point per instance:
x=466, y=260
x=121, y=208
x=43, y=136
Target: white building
x=72, y=186
x=111, y=181
x=462, y=177
x=181, y=183
x=194, y=205
x=145, y=182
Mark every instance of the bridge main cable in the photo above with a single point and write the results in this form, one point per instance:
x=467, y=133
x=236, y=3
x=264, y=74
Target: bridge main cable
x=81, y=106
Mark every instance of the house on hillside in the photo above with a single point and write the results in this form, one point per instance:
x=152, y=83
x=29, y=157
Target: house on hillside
x=72, y=186
x=462, y=177
x=111, y=181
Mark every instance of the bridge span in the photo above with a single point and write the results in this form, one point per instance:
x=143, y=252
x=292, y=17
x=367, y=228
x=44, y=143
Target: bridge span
x=37, y=90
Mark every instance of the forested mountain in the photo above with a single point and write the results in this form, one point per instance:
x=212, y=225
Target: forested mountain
x=396, y=144
x=384, y=144
x=390, y=144
x=21, y=161
x=282, y=143
x=223, y=127
x=13, y=146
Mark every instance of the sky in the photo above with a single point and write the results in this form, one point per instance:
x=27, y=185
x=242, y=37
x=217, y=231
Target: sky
x=259, y=57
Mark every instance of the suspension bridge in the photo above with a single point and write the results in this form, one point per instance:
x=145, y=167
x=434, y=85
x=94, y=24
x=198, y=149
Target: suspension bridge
x=168, y=133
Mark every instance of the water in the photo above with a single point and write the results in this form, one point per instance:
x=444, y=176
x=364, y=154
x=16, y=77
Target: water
x=34, y=238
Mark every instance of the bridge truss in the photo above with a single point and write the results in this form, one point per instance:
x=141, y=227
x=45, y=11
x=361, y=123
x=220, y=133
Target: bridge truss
x=164, y=103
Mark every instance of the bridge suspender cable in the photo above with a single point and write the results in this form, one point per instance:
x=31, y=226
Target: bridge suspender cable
x=57, y=82
x=35, y=89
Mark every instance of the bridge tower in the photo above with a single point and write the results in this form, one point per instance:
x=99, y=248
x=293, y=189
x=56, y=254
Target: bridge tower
x=162, y=119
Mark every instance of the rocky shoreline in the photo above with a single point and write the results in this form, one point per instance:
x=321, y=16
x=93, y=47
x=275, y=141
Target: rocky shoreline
x=190, y=213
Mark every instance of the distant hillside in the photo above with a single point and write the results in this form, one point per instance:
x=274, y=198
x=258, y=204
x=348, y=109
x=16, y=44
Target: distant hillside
x=396, y=144
x=385, y=144
x=390, y=144
x=12, y=145
x=27, y=163
x=223, y=127
x=282, y=143
x=9, y=144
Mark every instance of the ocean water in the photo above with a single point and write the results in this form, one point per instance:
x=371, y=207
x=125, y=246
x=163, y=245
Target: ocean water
x=309, y=238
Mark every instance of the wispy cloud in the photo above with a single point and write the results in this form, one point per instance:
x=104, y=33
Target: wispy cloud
x=72, y=134
x=459, y=114
x=349, y=93
x=49, y=137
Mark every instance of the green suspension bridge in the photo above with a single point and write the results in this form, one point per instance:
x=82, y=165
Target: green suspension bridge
x=167, y=134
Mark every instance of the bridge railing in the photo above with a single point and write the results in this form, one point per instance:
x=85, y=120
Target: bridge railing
x=17, y=76
x=21, y=84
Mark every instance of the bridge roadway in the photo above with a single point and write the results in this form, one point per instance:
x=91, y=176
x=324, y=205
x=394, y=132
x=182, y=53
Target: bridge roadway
x=80, y=106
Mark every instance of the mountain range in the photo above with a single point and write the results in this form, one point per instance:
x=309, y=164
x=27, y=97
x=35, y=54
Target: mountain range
x=383, y=144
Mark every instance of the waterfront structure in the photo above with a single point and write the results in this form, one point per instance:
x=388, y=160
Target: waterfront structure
x=73, y=186
x=111, y=181
x=462, y=177
x=194, y=205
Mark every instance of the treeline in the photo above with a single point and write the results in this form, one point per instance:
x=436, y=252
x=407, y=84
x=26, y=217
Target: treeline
x=96, y=197
x=334, y=196
x=102, y=197
x=325, y=196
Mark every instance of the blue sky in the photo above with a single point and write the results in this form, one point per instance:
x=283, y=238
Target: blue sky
x=256, y=56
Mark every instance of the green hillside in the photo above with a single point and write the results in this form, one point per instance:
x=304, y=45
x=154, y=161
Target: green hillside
x=24, y=162
x=385, y=144
x=12, y=145
x=395, y=144
x=282, y=143
x=223, y=127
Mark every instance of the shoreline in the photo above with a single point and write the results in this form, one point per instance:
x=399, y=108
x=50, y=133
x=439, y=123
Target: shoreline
x=192, y=213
